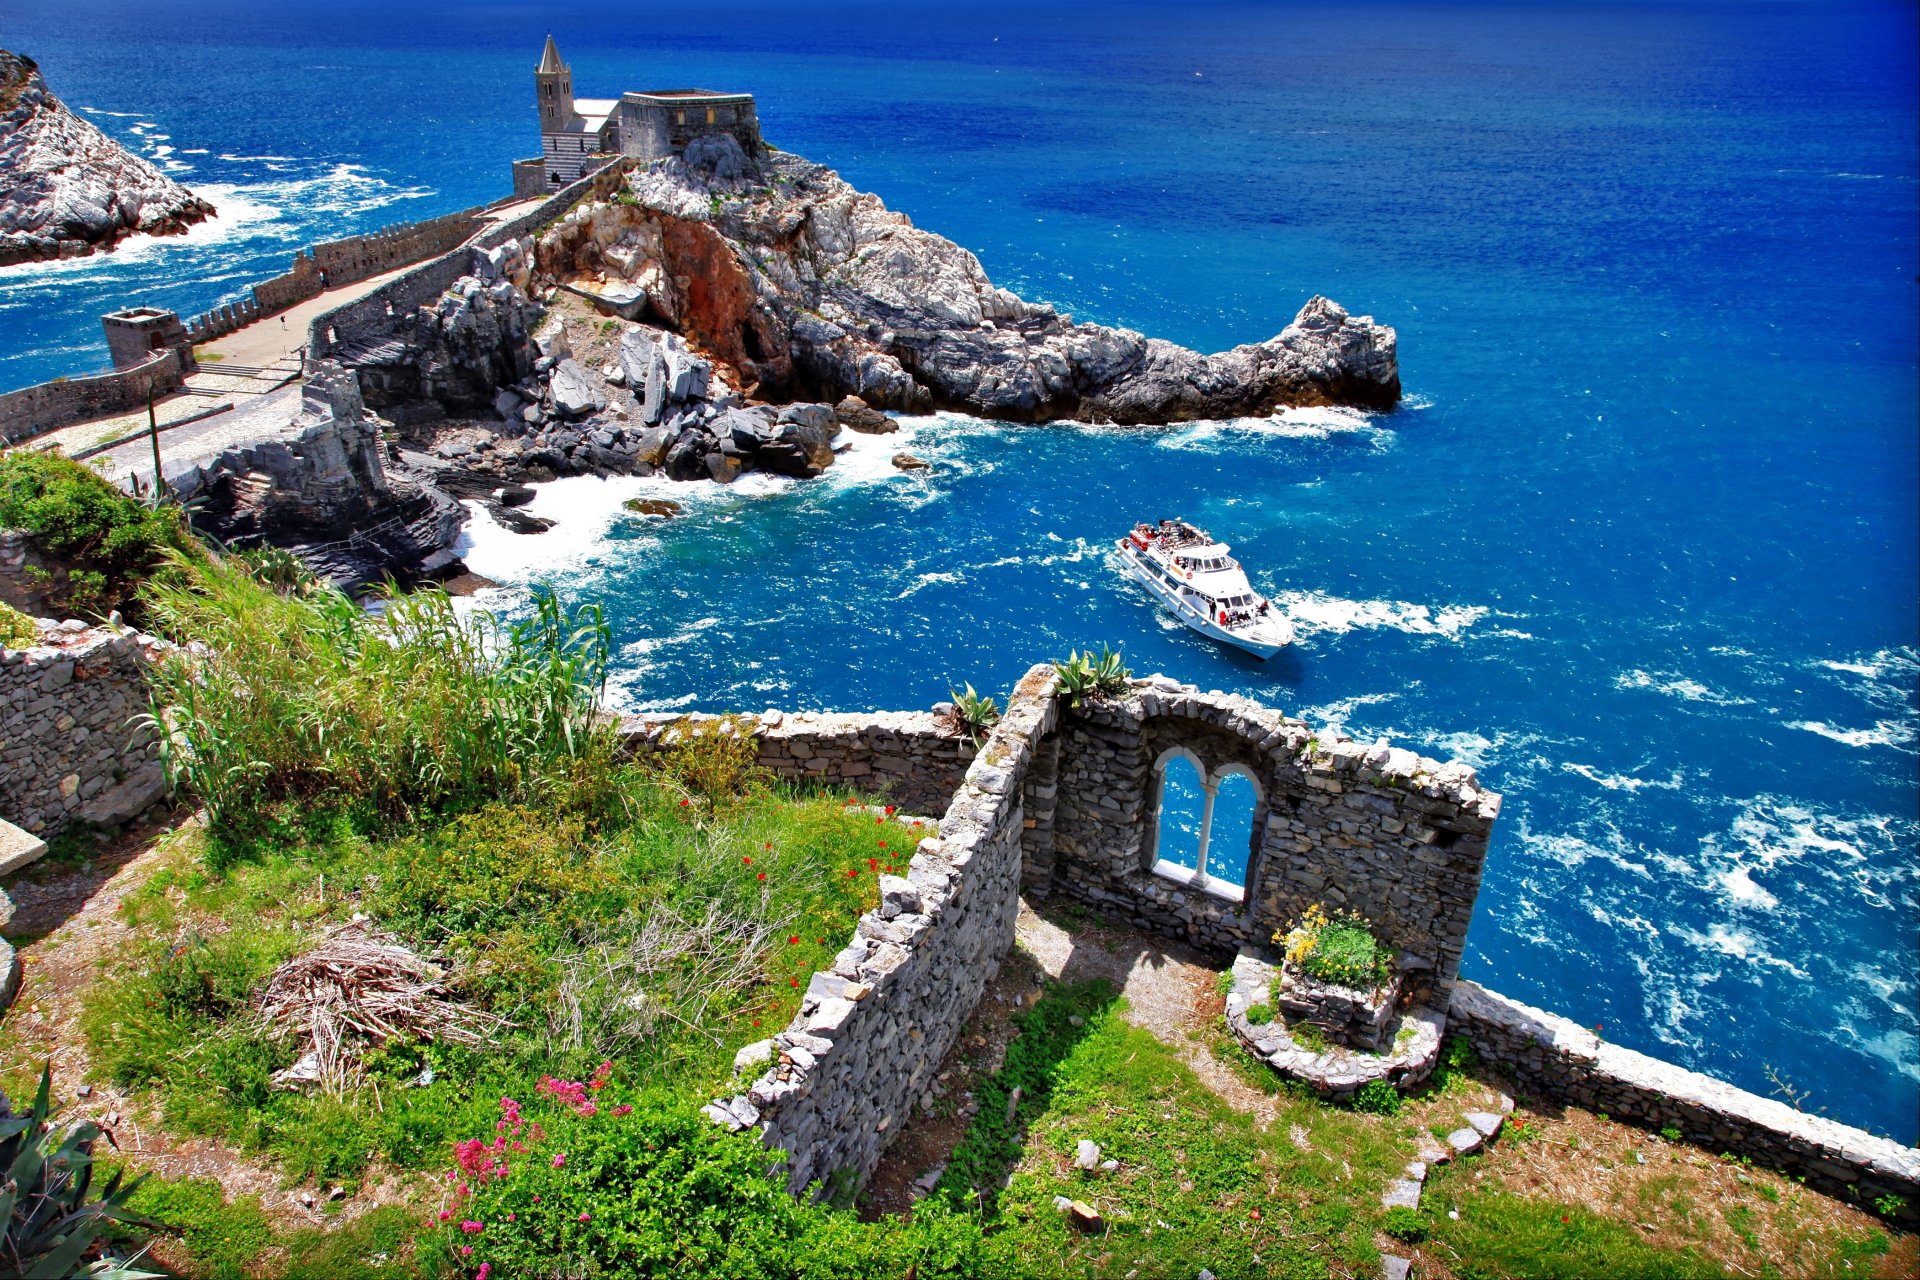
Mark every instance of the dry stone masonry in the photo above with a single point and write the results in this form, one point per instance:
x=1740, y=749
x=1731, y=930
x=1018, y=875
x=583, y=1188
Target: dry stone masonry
x=1558, y=1058
x=70, y=750
x=873, y=1029
x=1063, y=800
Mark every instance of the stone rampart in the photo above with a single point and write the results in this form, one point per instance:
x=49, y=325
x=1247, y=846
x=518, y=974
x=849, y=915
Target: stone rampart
x=873, y=1029
x=339, y=262
x=907, y=756
x=1559, y=1059
x=31, y=411
x=70, y=750
x=1398, y=838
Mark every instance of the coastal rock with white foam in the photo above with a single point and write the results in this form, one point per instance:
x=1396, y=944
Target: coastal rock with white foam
x=809, y=289
x=66, y=189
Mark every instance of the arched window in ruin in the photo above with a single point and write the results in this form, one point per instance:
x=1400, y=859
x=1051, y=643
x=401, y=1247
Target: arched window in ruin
x=1234, y=827
x=1205, y=825
x=1180, y=814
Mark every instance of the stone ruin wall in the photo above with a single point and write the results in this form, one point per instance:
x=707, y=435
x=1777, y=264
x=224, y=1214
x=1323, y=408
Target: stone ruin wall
x=1035, y=813
x=1557, y=1058
x=1394, y=836
x=34, y=410
x=69, y=748
x=873, y=1028
x=907, y=756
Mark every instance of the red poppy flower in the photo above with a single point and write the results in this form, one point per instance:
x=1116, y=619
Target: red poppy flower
x=763, y=875
x=823, y=942
x=683, y=802
x=883, y=844
x=767, y=845
x=747, y=861
x=873, y=864
x=794, y=981
x=853, y=871
x=794, y=941
x=756, y=1022
x=878, y=821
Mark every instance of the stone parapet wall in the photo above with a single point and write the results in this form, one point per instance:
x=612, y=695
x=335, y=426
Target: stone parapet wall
x=70, y=750
x=34, y=410
x=873, y=1029
x=907, y=756
x=1557, y=1058
x=1375, y=829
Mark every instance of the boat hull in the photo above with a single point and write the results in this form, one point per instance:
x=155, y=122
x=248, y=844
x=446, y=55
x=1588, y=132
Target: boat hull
x=1193, y=617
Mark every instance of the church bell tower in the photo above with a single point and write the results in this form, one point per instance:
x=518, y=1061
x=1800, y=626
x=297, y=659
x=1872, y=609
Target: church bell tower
x=554, y=84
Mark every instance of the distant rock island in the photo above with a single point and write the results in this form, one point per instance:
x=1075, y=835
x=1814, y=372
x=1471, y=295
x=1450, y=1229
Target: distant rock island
x=67, y=189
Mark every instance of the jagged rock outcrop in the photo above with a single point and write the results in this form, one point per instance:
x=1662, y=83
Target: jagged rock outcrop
x=809, y=289
x=66, y=189
x=457, y=354
x=323, y=487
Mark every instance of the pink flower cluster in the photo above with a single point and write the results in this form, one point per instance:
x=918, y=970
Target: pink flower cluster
x=574, y=1093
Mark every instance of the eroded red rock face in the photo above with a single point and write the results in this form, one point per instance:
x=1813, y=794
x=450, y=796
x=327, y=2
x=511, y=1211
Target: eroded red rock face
x=719, y=311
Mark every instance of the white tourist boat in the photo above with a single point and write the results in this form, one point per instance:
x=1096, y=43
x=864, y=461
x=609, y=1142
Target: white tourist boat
x=1202, y=585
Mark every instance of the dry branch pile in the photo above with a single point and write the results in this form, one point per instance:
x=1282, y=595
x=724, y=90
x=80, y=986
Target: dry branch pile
x=357, y=989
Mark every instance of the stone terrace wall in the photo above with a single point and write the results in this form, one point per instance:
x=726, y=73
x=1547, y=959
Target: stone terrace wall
x=1398, y=838
x=1557, y=1058
x=68, y=748
x=906, y=756
x=33, y=410
x=873, y=1028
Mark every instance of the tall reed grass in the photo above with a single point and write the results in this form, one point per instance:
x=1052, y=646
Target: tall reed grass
x=305, y=696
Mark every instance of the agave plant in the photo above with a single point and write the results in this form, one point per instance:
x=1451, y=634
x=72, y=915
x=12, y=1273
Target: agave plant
x=47, y=1222
x=974, y=712
x=1085, y=674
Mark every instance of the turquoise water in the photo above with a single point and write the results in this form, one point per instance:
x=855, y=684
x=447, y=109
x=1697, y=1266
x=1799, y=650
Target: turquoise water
x=1641, y=546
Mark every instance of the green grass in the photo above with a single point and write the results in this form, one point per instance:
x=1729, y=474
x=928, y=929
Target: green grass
x=1199, y=1184
x=211, y=1237
x=1497, y=1236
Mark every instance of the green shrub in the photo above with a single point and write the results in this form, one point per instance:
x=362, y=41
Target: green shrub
x=1340, y=949
x=1260, y=1014
x=1377, y=1097
x=309, y=699
x=109, y=542
x=1404, y=1224
x=52, y=1224
x=975, y=713
x=608, y=1183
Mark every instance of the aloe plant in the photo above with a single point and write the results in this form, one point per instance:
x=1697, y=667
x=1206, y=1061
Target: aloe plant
x=1085, y=674
x=974, y=712
x=47, y=1222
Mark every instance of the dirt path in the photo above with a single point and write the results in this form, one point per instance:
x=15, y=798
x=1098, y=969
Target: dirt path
x=69, y=917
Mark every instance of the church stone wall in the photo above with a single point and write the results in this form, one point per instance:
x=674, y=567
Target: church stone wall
x=35, y=410
x=906, y=756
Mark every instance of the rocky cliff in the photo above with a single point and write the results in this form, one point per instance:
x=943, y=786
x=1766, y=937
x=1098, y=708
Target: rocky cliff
x=811, y=290
x=66, y=188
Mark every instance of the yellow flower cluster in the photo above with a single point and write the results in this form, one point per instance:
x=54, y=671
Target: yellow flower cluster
x=1304, y=937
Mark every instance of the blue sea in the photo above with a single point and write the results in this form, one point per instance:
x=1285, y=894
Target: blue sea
x=1641, y=545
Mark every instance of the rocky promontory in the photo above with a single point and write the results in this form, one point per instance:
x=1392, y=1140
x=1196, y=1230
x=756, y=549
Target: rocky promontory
x=812, y=290
x=67, y=189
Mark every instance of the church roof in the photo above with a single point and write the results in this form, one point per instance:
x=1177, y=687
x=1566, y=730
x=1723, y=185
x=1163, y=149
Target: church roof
x=550, y=63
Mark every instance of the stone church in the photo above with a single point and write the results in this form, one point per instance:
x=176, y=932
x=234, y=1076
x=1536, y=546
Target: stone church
x=578, y=134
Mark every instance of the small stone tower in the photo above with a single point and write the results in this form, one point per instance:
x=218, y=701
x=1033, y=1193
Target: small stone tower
x=554, y=79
